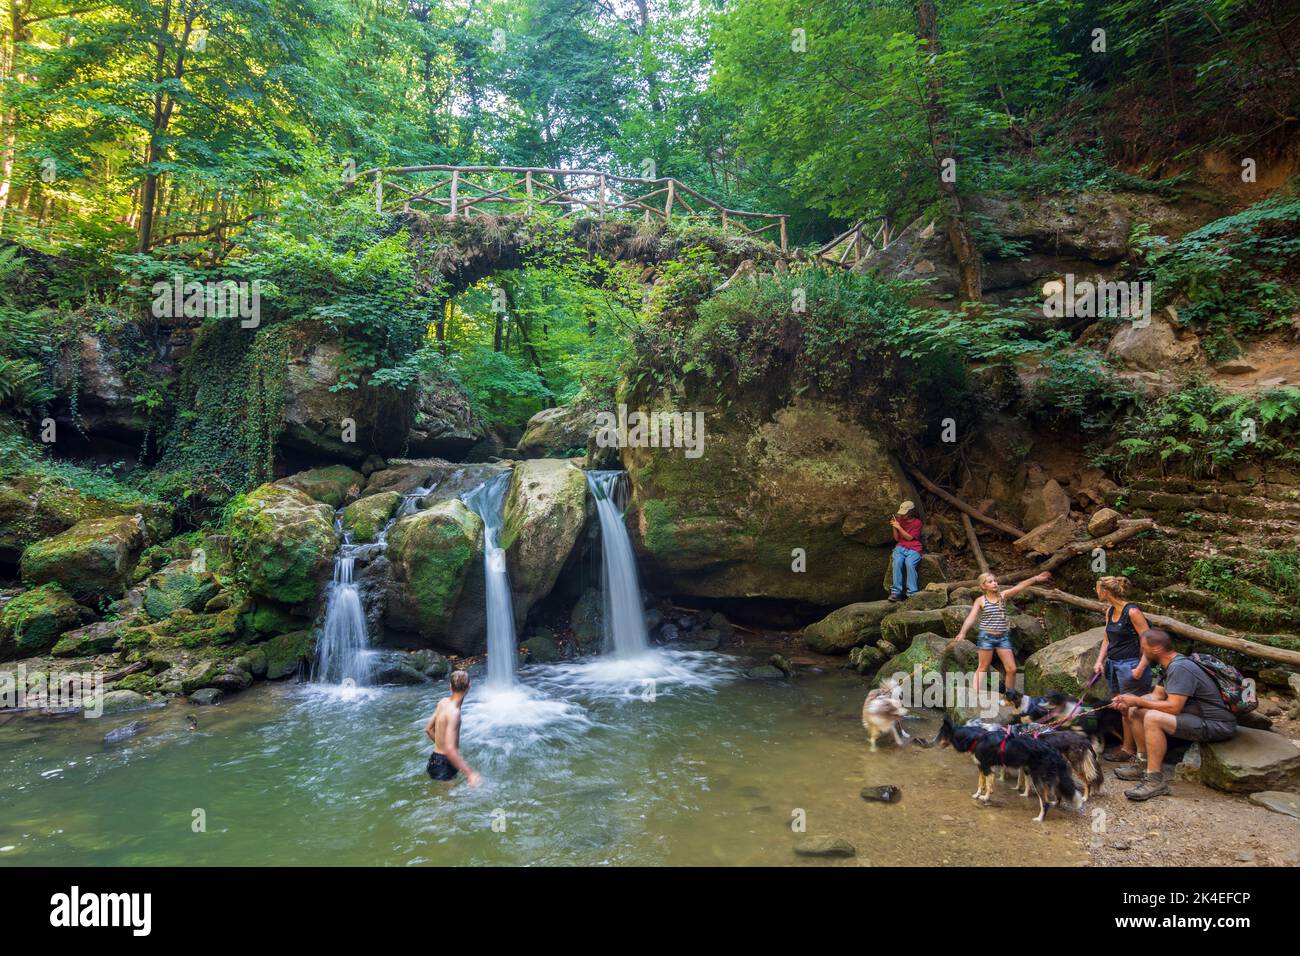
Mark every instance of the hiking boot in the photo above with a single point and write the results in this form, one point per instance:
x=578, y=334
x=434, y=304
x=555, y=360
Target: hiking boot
x=1133, y=770
x=895, y=596
x=1152, y=785
x=1117, y=755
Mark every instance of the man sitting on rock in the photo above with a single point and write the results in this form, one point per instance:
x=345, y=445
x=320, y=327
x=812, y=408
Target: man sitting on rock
x=907, y=550
x=1187, y=708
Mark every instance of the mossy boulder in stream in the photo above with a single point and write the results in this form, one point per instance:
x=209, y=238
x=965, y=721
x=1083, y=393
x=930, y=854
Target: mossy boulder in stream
x=433, y=553
x=284, y=654
x=92, y=560
x=545, y=512
x=793, y=505
x=331, y=485
x=849, y=627
x=31, y=623
x=178, y=585
x=554, y=432
x=366, y=517
x=283, y=542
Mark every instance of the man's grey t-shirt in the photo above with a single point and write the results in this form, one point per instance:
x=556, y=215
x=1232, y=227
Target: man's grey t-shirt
x=1186, y=677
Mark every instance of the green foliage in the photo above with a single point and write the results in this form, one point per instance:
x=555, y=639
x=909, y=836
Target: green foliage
x=1079, y=387
x=1231, y=277
x=1200, y=429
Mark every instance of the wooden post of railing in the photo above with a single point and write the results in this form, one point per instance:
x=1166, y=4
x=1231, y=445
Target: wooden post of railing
x=783, y=233
x=602, y=197
x=455, y=184
x=379, y=190
x=668, y=203
x=528, y=188
x=724, y=220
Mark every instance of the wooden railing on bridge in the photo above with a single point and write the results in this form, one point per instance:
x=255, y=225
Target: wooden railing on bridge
x=860, y=241
x=467, y=190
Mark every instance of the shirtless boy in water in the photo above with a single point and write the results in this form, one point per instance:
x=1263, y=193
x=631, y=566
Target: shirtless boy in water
x=444, y=730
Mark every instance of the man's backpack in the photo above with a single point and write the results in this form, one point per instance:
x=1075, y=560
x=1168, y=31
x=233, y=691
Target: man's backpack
x=1238, y=694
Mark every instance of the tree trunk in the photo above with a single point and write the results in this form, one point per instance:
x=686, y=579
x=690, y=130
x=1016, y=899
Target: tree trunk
x=959, y=237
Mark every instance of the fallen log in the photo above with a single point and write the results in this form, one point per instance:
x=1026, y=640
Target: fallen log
x=1074, y=548
x=1062, y=555
x=132, y=669
x=974, y=543
x=962, y=506
x=1229, y=642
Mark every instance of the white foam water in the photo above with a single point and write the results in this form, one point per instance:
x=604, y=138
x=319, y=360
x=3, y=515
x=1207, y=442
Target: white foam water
x=341, y=649
x=645, y=676
x=487, y=502
x=623, y=618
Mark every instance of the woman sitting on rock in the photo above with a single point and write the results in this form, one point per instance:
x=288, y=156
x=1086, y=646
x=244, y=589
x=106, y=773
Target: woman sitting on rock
x=990, y=610
x=1120, y=657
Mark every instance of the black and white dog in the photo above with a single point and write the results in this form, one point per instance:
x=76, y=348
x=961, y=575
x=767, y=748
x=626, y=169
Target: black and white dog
x=1100, y=725
x=1077, y=750
x=1047, y=769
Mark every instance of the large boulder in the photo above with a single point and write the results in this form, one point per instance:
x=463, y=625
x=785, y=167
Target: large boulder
x=93, y=559
x=287, y=652
x=445, y=422
x=31, y=623
x=365, y=518
x=900, y=627
x=434, y=553
x=794, y=506
x=545, y=512
x=1043, y=501
x=331, y=485
x=97, y=638
x=178, y=585
x=36, y=506
x=347, y=424
x=1252, y=761
x=926, y=650
x=1048, y=537
x=928, y=572
x=848, y=627
x=1067, y=666
x=440, y=479
x=558, y=432
x=1155, y=346
x=283, y=543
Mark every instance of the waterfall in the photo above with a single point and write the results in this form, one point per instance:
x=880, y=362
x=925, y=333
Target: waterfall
x=487, y=502
x=623, y=621
x=341, y=656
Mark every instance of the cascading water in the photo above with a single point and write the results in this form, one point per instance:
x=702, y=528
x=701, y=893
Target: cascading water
x=341, y=656
x=486, y=501
x=623, y=622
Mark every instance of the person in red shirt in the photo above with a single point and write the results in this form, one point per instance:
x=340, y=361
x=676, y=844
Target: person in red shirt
x=907, y=550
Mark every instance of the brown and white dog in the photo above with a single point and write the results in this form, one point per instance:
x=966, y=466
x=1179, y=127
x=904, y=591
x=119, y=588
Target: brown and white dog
x=882, y=711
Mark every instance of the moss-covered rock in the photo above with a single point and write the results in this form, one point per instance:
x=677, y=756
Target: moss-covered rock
x=1067, y=666
x=585, y=620
x=557, y=432
x=432, y=554
x=31, y=623
x=332, y=485
x=541, y=649
x=140, y=683
x=927, y=650
x=283, y=542
x=183, y=629
x=285, y=653
x=93, y=559
x=900, y=627
x=727, y=524
x=178, y=585
x=97, y=638
x=366, y=517
x=848, y=627
x=35, y=506
x=545, y=512
x=266, y=618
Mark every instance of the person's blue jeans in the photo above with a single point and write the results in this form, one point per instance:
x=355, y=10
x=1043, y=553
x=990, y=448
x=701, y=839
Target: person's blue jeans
x=905, y=559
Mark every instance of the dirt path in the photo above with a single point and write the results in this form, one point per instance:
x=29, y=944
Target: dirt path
x=1196, y=826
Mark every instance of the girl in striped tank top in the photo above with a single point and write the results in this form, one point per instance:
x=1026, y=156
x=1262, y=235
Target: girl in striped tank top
x=990, y=611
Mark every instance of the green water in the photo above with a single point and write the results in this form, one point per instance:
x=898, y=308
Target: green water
x=706, y=774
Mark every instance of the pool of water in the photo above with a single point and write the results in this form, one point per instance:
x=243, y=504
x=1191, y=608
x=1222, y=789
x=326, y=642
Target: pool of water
x=678, y=760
